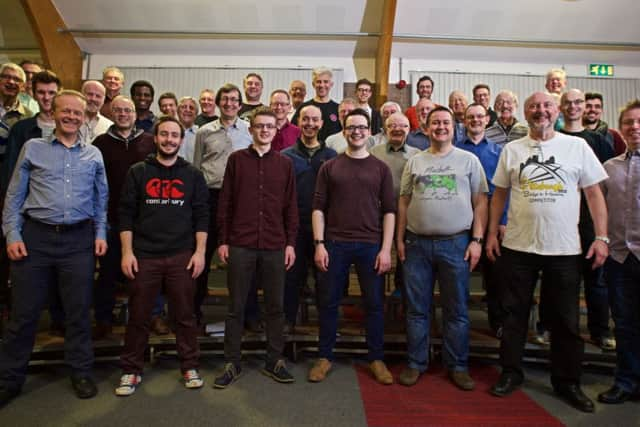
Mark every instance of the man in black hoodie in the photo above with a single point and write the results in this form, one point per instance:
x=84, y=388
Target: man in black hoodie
x=164, y=218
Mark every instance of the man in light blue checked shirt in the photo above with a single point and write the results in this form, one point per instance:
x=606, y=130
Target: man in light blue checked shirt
x=54, y=220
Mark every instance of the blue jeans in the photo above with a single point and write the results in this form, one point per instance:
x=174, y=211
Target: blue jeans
x=330, y=291
x=426, y=260
x=624, y=297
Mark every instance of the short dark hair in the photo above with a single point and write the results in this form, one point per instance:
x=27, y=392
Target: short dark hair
x=588, y=96
x=45, y=77
x=440, y=108
x=165, y=119
x=29, y=62
x=480, y=86
x=631, y=105
x=142, y=83
x=226, y=88
x=261, y=111
x=475, y=104
x=359, y=112
x=168, y=95
x=364, y=82
x=423, y=78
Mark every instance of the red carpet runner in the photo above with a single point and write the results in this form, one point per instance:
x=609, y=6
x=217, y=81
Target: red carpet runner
x=434, y=401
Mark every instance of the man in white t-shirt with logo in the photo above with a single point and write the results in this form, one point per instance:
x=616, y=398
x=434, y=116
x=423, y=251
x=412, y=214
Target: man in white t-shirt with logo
x=543, y=174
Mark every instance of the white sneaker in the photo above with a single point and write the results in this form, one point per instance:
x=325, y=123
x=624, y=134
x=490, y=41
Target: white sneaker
x=192, y=379
x=128, y=384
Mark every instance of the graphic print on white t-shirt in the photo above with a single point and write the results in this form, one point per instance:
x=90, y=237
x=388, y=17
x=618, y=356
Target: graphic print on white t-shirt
x=542, y=180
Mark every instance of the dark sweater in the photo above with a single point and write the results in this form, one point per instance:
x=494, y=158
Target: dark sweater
x=354, y=194
x=164, y=207
x=119, y=155
x=306, y=167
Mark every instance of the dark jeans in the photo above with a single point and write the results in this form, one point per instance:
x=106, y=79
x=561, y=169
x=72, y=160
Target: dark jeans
x=297, y=276
x=426, y=260
x=244, y=265
x=143, y=290
x=60, y=258
x=330, y=292
x=252, y=309
x=494, y=284
x=624, y=297
x=559, y=295
x=596, y=295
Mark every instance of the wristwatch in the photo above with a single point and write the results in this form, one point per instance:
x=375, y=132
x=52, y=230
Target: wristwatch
x=479, y=240
x=318, y=242
x=604, y=239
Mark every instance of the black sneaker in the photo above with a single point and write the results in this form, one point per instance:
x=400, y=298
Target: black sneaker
x=230, y=375
x=278, y=371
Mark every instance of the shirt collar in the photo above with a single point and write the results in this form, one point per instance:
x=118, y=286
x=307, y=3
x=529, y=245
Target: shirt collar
x=79, y=142
x=631, y=153
x=402, y=148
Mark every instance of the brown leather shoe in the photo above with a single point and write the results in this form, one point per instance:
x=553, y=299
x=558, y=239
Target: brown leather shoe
x=409, y=376
x=102, y=331
x=380, y=372
x=319, y=370
x=159, y=326
x=462, y=380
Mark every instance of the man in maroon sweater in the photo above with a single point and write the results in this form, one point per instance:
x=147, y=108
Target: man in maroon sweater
x=122, y=146
x=258, y=222
x=353, y=220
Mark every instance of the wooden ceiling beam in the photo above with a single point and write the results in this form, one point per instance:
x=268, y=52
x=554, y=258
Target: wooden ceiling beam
x=383, y=56
x=59, y=50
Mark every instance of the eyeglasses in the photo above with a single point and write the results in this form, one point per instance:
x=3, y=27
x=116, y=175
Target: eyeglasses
x=229, y=99
x=125, y=110
x=15, y=79
x=397, y=126
x=353, y=128
x=261, y=126
x=363, y=89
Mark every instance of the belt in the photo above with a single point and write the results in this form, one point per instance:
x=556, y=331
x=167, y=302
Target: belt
x=442, y=236
x=60, y=228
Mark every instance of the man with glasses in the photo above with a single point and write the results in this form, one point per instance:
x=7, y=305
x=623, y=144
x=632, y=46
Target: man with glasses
x=121, y=146
x=187, y=113
x=543, y=173
x=287, y=133
x=572, y=105
x=297, y=92
x=353, y=220
x=434, y=244
x=488, y=153
x=482, y=95
x=12, y=80
x=364, y=91
x=258, y=222
x=215, y=142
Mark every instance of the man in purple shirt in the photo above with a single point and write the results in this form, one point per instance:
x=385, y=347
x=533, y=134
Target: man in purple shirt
x=286, y=132
x=622, y=268
x=258, y=222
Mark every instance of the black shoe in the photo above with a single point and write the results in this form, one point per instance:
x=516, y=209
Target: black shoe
x=84, y=387
x=7, y=396
x=278, y=371
x=507, y=384
x=254, y=326
x=230, y=375
x=574, y=396
x=615, y=395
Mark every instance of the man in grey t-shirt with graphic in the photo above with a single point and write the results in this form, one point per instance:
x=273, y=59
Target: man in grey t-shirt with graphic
x=442, y=214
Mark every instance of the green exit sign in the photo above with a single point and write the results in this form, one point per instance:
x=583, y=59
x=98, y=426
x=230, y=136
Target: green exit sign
x=600, y=70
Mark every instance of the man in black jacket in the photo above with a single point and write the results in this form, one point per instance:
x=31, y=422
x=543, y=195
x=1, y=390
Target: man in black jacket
x=164, y=218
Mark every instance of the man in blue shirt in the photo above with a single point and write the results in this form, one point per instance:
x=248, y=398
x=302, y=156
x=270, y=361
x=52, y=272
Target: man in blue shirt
x=54, y=221
x=475, y=141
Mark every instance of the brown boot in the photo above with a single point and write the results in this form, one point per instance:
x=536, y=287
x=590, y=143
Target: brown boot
x=159, y=326
x=319, y=370
x=409, y=376
x=462, y=380
x=380, y=372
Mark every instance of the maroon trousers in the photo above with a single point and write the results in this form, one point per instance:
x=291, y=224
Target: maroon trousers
x=143, y=290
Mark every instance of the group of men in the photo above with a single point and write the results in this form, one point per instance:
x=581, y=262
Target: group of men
x=275, y=197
